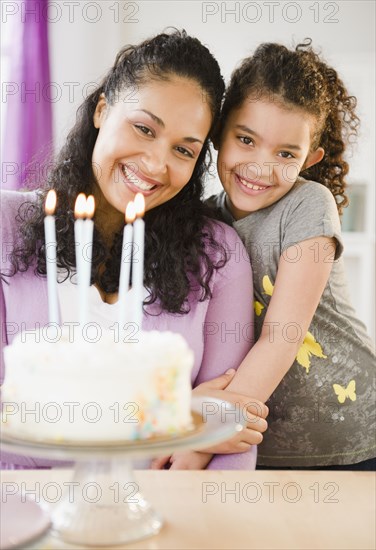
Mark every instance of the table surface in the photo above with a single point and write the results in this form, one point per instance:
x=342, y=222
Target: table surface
x=238, y=510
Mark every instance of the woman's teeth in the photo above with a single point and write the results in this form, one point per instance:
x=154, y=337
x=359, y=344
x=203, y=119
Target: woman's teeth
x=137, y=182
x=251, y=186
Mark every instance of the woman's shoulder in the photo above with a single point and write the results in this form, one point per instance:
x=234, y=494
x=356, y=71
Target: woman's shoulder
x=237, y=258
x=224, y=233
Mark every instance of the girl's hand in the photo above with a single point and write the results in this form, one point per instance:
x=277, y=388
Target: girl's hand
x=214, y=388
x=252, y=410
x=190, y=460
x=240, y=443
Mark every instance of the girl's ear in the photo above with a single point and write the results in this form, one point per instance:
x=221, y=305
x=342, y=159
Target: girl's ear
x=100, y=111
x=314, y=157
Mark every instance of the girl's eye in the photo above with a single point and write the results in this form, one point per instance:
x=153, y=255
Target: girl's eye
x=184, y=152
x=286, y=155
x=246, y=140
x=144, y=129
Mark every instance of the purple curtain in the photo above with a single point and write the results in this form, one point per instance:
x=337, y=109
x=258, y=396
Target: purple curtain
x=27, y=143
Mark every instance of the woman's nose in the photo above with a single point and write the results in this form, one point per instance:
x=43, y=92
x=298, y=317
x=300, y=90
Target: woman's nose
x=154, y=161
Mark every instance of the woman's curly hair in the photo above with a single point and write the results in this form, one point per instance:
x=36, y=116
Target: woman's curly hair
x=302, y=79
x=181, y=251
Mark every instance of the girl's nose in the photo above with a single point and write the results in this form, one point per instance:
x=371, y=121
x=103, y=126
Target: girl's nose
x=267, y=168
x=261, y=168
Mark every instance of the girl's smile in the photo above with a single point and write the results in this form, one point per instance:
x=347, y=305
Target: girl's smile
x=251, y=187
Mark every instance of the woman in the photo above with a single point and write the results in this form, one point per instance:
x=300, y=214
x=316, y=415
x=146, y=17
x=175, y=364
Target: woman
x=144, y=129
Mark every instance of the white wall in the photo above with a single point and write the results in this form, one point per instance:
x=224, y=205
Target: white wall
x=85, y=38
x=82, y=50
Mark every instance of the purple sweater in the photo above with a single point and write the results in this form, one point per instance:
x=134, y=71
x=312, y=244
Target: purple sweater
x=219, y=330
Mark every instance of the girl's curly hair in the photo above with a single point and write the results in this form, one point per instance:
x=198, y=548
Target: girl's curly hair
x=300, y=78
x=181, y=251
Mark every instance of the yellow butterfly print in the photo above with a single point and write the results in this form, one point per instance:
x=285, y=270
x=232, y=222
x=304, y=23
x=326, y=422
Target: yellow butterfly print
x=258, y=307
x=267, y=285
x=268, y=290
x=307, y=349
x=343, y=393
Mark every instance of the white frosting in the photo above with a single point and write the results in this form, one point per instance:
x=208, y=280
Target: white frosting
x=78, y=390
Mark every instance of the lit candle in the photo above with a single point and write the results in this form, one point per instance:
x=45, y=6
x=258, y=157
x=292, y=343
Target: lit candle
x=79, y=212
x=138, y=259
x=125, y=267
x=50, y=248
x=88, y=238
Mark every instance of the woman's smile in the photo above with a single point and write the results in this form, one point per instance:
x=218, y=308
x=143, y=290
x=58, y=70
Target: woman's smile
x=137, y=182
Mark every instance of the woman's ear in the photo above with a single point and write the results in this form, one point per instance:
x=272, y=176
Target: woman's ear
x=314, y=157
x=100, y=111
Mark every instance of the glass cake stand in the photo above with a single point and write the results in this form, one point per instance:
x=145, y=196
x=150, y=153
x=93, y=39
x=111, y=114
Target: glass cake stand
x=102, y=505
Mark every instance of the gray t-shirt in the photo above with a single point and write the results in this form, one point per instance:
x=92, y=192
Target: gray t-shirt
x=323, y=411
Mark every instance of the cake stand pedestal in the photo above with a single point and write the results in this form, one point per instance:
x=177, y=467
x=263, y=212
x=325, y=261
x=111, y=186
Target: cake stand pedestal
x=103, y=505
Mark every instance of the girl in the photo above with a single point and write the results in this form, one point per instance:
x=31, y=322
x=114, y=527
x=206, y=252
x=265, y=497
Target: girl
x=144, y=129
x=285, y=123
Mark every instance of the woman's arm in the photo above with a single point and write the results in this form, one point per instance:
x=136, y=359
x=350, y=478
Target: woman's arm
x=228, y=333
x=296, y=295
x=228, y=330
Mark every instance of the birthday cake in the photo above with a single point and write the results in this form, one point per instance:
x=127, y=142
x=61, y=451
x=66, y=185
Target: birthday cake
x=73, y=390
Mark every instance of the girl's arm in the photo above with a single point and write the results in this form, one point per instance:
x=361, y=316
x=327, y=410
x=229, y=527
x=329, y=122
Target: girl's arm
x=296, y=295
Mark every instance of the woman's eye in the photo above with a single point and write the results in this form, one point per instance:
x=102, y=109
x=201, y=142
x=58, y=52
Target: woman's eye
x=286, y=155
x=246, y=140
x=184, y=152
x=144, y=129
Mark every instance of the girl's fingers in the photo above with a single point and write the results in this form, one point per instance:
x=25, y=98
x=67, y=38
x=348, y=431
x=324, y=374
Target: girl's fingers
x=256, y=423
x=240, y=443
x=219, y=383
x=257, y=408
x=251, y=437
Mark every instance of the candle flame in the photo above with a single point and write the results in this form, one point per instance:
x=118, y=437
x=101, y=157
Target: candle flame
x=90, y=206
x=50, y=204
x=80, y=206
x=139, y=204
x=130, y=212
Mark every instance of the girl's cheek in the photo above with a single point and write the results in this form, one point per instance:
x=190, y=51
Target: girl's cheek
x=227, y=149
